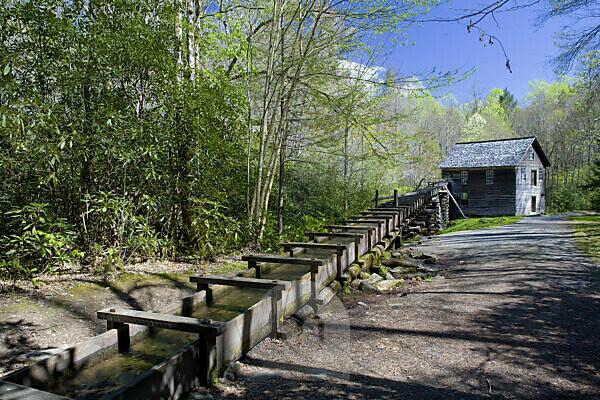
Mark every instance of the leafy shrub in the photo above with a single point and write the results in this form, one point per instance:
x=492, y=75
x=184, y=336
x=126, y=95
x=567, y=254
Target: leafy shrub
x=116, y=231
x=213, y=232
x=37, y=243
x=564, y=199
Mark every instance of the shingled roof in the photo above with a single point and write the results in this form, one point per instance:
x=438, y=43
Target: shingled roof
x=492, y=153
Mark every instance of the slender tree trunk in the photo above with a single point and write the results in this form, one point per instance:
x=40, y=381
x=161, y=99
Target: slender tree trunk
x=280, y=208
x=346, y=162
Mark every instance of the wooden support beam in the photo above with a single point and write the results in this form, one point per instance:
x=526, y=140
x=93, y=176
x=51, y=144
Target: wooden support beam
x=349, y=227
x=239, y=281
x=339, y=249
x=401, y=212
x=383, y=208
x=356, y=236
x=331, y=235
x=207, y=357
x=162, y=321
x=371, y=230
x=386, y=215
x=345, y=227
x=120, y=319
x=379, y=211
x=123, y=338
x=364, y=220
x=334, y=234
x=287, y=246
x=267, y=258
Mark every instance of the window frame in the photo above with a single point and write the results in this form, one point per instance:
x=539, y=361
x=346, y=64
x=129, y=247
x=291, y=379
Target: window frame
x=464, y=199
x=489, y=176
x=464, y=177
x=523, y=174
x=531, y=155
x=534, y=177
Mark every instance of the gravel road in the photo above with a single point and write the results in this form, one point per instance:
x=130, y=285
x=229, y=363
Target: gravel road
x=516, y=316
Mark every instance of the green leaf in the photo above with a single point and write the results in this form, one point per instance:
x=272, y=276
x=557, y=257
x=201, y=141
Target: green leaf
x=6, y=69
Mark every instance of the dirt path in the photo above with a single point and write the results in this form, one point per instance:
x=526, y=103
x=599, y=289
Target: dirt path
x=517, y=316
x=62, y=312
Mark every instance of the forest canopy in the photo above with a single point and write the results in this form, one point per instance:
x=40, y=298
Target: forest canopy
x=139, y=129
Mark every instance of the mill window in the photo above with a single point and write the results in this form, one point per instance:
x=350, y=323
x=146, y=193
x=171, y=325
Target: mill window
x=489, y=177
x=464, y=177
x=464, y=199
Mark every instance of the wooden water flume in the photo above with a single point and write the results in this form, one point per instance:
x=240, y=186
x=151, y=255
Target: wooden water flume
x=228, y=315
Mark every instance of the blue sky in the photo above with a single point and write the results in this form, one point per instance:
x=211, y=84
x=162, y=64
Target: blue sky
x=448, y=45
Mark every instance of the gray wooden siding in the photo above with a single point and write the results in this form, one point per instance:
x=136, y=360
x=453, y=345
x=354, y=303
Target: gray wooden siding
x=485, y=200
x=525, y=190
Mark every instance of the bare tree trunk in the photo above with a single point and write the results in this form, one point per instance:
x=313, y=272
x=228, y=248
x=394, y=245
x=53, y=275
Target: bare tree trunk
x=280, y=208
x=346, y=161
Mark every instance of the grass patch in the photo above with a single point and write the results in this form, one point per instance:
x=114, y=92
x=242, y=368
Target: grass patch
x=227, y=268
x=470, y=224
x=587, y=234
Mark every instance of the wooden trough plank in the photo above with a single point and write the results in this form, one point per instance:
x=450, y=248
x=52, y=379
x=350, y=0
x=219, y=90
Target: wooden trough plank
x=339, y=250
x=380, y=212
x=238, y=281
x=348, y=227
x=370, y=217
x=371, y=230
x=355, y=236
x=365, y=221
x=266, y=258
x=164, y=321
x=386, y=208
x=282, y=260
x=310, y=245
x=274, y=287
x=335, y=234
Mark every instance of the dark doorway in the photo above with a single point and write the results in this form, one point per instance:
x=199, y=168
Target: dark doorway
x=533, y=204
x=534, y=177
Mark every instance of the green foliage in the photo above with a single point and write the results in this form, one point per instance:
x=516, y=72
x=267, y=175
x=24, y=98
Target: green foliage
x=594, y=185
x=100, y=121
x=116, y=231
x=469, y=224
x=587, y=231
x=507, y=100
x=36, y=243
x=213, y=231
x=564, y=199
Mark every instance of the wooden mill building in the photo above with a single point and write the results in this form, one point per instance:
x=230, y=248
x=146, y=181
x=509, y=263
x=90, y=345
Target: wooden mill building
x=497, y=177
